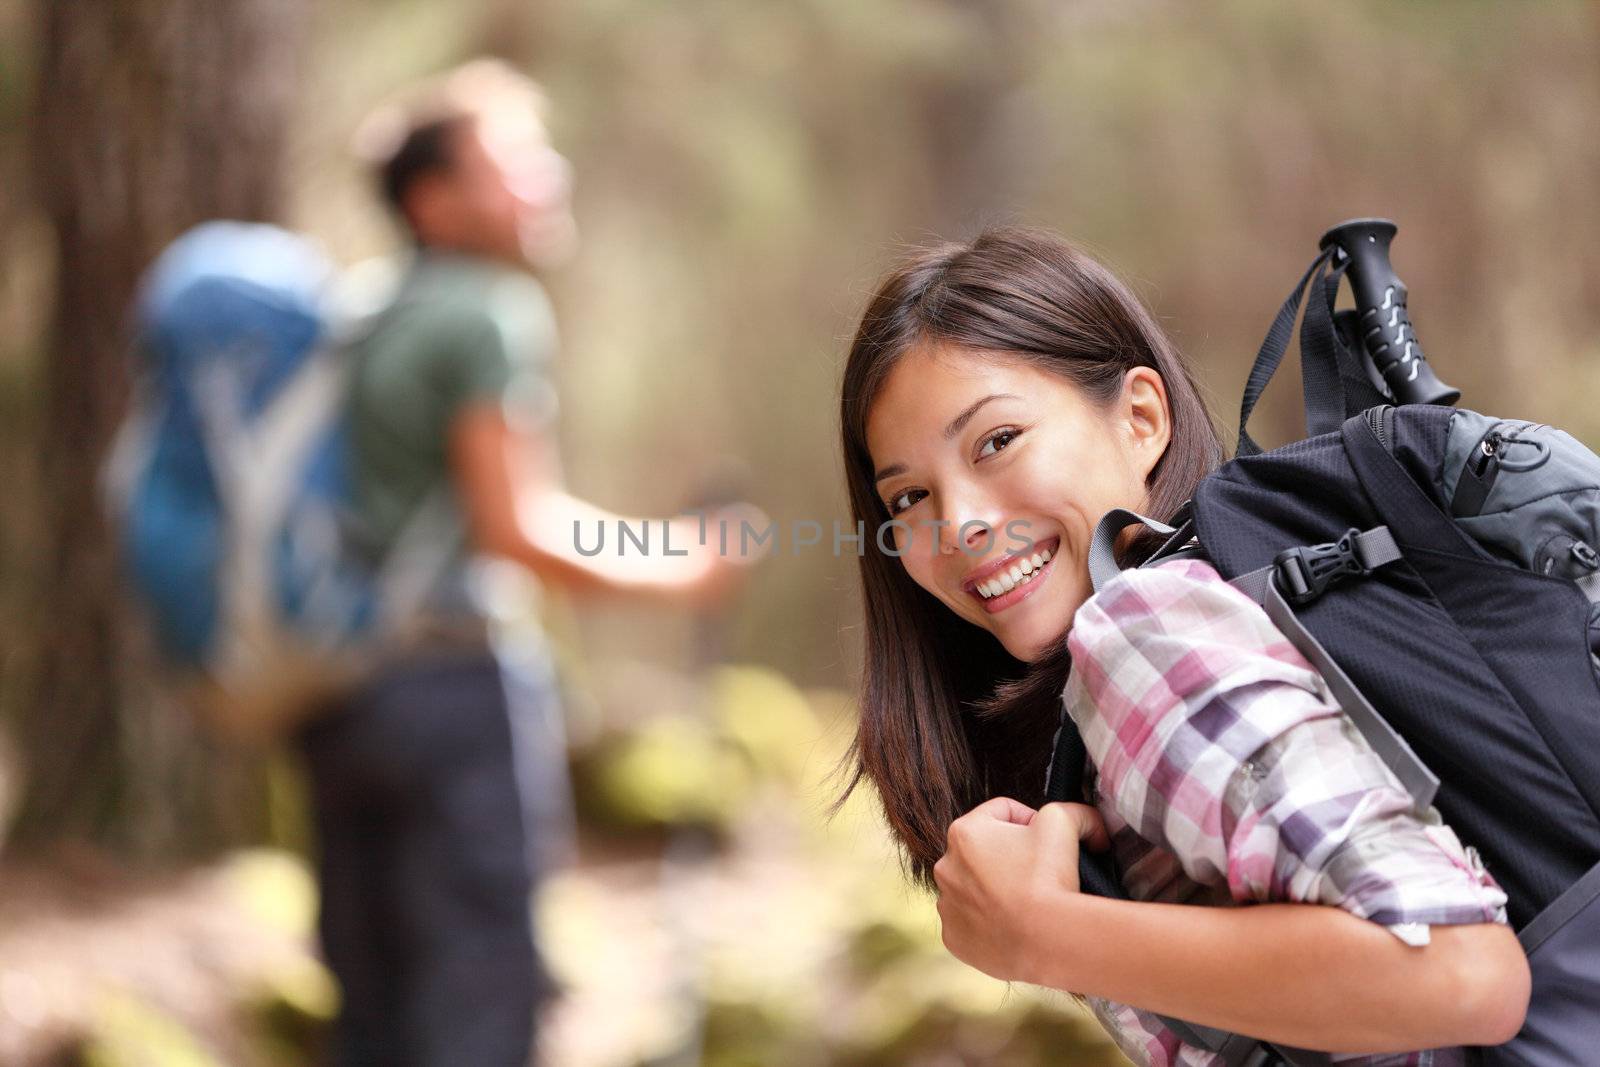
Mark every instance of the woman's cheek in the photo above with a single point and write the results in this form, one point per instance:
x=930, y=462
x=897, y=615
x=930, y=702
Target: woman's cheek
x=921, y=572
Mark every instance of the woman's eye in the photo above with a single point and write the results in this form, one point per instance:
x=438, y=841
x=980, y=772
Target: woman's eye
x=896, y=507
x=1000, y=440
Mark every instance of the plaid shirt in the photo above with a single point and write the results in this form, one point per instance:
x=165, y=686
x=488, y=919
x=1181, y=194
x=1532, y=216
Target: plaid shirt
x=1227, y=774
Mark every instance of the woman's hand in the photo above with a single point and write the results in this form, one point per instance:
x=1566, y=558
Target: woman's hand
x=1003, y=864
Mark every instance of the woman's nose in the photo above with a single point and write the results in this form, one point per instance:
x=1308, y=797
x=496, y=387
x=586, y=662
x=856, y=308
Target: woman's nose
x=968, y=529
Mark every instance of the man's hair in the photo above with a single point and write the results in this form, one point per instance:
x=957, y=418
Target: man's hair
x=410, y=136
x=425, y=150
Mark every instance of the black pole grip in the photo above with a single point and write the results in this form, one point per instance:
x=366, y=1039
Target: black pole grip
x=1383, y=324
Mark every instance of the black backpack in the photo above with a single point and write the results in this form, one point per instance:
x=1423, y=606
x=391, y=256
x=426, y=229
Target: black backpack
x=1435, y=565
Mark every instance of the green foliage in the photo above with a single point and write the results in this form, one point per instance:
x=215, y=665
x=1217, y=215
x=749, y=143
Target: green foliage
x=799, y=942
x=700, y=767
x=276, y=889
x=744, y=172
x=290, y=1015
x=130, y=1033
x=289, y=1008
x=767, y=719
x=670, y=772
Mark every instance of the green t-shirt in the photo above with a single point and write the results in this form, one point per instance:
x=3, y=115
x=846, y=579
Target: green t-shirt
x=460, y=331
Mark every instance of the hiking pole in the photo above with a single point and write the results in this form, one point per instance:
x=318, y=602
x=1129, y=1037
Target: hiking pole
x=1381, y=319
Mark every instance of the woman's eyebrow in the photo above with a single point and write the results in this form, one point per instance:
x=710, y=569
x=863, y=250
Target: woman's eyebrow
x=966, y=416
x=949, y=431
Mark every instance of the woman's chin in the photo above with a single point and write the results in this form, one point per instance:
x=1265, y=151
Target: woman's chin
x=1036, y=642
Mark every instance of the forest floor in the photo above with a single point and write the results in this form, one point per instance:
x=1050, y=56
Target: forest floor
x=98, y=965
x=755, y=953
x=101, y=966
x=718, y=912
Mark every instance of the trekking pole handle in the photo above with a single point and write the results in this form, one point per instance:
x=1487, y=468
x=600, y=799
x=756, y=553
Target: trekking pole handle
x=1383, y=322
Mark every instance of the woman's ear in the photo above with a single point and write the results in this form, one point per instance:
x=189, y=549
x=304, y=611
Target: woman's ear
x=1149, y=419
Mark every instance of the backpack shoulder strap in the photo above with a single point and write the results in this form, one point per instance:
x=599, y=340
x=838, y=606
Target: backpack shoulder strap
x=256, y=468
x=1374, y=548
x=1102, y=555
x=1307, y=571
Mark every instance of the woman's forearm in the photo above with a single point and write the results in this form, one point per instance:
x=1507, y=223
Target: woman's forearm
x=1309, y=976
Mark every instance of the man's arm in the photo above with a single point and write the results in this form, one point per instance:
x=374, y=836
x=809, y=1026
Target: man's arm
x=511, y=494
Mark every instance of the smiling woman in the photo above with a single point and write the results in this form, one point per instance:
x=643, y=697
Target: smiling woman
x=999, y=399
x=1015, y=388
x=999, y=465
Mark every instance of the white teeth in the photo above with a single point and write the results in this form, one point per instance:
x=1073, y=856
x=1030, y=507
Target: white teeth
x=1020, y=573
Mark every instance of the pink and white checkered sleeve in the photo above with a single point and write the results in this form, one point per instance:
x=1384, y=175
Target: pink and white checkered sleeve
x=1215, y=739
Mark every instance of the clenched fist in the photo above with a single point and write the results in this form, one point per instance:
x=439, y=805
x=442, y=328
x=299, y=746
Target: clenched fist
x=1004, y=864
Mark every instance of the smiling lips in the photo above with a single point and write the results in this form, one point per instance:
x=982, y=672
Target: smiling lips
x=1012, y=579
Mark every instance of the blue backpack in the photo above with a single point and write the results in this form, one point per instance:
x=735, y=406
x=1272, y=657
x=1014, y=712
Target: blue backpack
x=230, y=481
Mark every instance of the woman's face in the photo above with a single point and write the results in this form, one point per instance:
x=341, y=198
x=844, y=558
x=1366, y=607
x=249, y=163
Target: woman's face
x=991, y=443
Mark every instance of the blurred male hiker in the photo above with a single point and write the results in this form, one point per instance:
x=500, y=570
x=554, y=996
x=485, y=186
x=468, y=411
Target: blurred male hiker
x=426, y=781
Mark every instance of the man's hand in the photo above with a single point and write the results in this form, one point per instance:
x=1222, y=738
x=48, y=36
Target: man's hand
x=1004, y=864
x=718, y=576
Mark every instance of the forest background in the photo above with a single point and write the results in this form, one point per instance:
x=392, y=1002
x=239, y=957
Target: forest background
x=744, y=172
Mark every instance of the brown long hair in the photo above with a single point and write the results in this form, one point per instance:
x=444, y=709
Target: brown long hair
x=948, y=717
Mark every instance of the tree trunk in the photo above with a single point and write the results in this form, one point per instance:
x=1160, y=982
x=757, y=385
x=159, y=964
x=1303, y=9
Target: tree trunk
x=149, y=115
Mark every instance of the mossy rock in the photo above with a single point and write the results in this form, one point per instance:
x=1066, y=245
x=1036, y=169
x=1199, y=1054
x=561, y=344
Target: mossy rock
x=767, y=718
x=672, y=771
x=746, y=1034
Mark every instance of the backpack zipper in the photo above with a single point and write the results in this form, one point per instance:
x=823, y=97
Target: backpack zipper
x=1381, y=419
x=1486, y=456
x=1484, y=464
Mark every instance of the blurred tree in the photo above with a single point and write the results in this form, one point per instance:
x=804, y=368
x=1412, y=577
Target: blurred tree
x=149, y=116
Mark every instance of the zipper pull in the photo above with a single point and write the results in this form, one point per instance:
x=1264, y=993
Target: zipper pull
x=1488, y=448
x=1478, y=475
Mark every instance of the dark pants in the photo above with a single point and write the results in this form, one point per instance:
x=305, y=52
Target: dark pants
x=424, y=870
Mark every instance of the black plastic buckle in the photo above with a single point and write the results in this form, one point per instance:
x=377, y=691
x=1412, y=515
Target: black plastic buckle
x=1305, y=572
